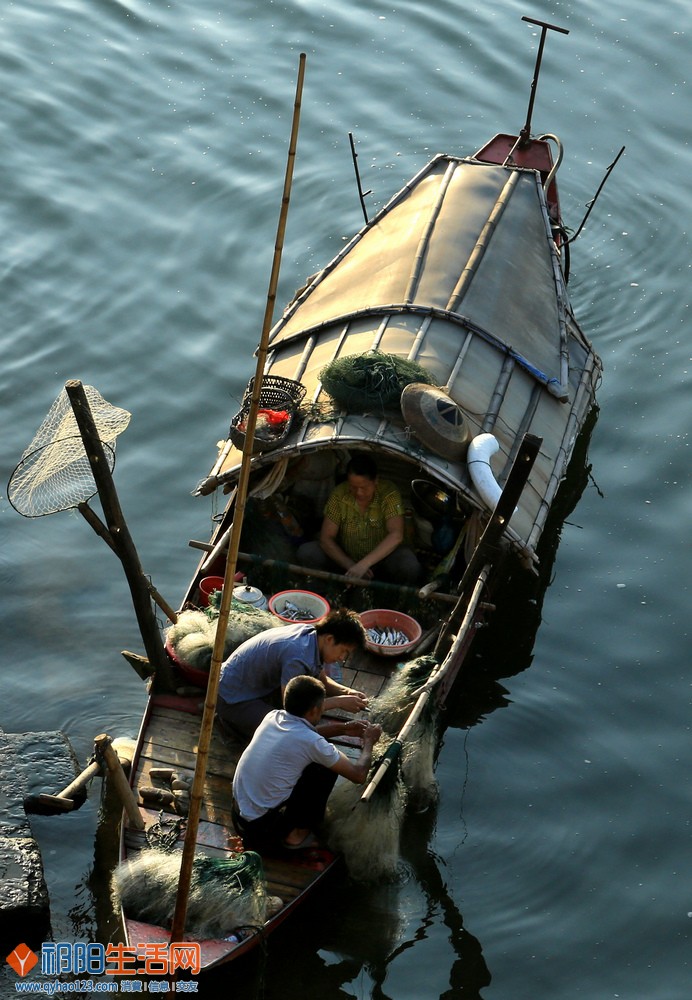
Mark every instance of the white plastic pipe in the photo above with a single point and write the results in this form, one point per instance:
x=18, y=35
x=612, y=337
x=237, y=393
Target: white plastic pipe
x=480, y=451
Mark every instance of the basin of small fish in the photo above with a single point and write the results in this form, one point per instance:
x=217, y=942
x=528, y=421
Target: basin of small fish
x=390, y=633
x=298, y=606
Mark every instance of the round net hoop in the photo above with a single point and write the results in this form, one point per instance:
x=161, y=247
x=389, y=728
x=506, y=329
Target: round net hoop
x=54, y=472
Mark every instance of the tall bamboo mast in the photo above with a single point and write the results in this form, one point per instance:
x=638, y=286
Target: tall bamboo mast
x=207, y=725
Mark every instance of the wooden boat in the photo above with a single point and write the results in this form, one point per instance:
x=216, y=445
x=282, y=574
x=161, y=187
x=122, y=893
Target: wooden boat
x=462, y=276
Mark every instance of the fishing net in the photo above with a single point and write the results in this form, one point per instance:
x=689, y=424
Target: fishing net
x=391, y=708
x=368, y=833
x=192, y=637
x=224, y=894
x=371, y=381
x=54, y=472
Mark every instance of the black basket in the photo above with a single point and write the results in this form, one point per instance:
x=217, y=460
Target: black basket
x=276, y=393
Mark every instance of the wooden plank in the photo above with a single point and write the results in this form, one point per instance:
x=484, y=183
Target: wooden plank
x=167, y=756
x=164, y=749
x=189, y=726
x=212, y=811
x=370, y=684
x=159, y=711
x=169, y=737
x=219, y=782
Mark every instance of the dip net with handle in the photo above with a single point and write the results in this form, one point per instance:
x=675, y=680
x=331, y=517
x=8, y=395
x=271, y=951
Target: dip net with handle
x=54, y=472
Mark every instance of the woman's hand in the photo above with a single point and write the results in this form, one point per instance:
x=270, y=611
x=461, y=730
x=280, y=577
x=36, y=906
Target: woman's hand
x=360, y=571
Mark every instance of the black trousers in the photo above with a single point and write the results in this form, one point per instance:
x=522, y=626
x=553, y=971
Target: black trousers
x=303, y=809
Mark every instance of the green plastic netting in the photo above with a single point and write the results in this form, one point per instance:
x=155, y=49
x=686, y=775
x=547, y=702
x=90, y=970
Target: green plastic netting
x=371, y=381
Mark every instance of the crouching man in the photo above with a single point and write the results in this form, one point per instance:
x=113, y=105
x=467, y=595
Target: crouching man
x=285, y=775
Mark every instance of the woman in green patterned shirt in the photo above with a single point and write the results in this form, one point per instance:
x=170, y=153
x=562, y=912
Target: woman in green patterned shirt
x=363, y=529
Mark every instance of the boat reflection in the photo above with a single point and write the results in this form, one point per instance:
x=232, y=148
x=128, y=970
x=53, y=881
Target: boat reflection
x=505, y=647
x=359, y=940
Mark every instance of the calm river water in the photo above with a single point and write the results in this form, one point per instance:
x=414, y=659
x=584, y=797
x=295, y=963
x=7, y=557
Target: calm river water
x=143, y=149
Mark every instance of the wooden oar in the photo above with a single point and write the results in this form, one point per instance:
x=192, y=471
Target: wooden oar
x=196, y=795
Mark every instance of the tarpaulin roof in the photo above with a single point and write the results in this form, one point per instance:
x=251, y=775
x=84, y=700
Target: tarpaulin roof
x=462, y=238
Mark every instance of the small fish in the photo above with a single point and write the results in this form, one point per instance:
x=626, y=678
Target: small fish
x=388, y=637
x=292, y=612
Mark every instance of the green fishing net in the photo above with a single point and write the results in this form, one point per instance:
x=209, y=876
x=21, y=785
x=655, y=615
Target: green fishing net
x=240, y=872
x=391, y=708
x=371, y=381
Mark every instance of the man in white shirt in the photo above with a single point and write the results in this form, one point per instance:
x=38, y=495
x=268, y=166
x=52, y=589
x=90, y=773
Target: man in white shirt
x=285, y=775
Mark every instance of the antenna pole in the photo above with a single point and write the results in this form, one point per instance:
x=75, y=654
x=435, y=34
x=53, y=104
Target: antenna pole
x=361, y=194
x=525, y=134
x=591, y=204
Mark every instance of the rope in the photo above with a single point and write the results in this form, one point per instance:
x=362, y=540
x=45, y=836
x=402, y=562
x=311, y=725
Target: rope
x=164, y=833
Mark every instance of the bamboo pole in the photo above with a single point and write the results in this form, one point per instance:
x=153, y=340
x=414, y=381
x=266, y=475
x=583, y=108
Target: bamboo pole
x=178, y=926
x=104, y=749
x=325, y=574
x=117, y=528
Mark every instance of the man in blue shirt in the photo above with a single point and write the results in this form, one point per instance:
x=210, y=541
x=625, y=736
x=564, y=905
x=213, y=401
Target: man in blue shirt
x=254, y=677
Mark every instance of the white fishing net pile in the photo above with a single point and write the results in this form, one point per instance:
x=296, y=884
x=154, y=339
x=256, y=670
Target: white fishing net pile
x=193, y=635
x=224, y=894
x=368, y=833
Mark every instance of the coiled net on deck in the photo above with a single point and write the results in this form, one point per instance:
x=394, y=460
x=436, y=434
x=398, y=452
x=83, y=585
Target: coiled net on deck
x=193, y=636
x=225, y=893
x=54, y=473
x=371, y=381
